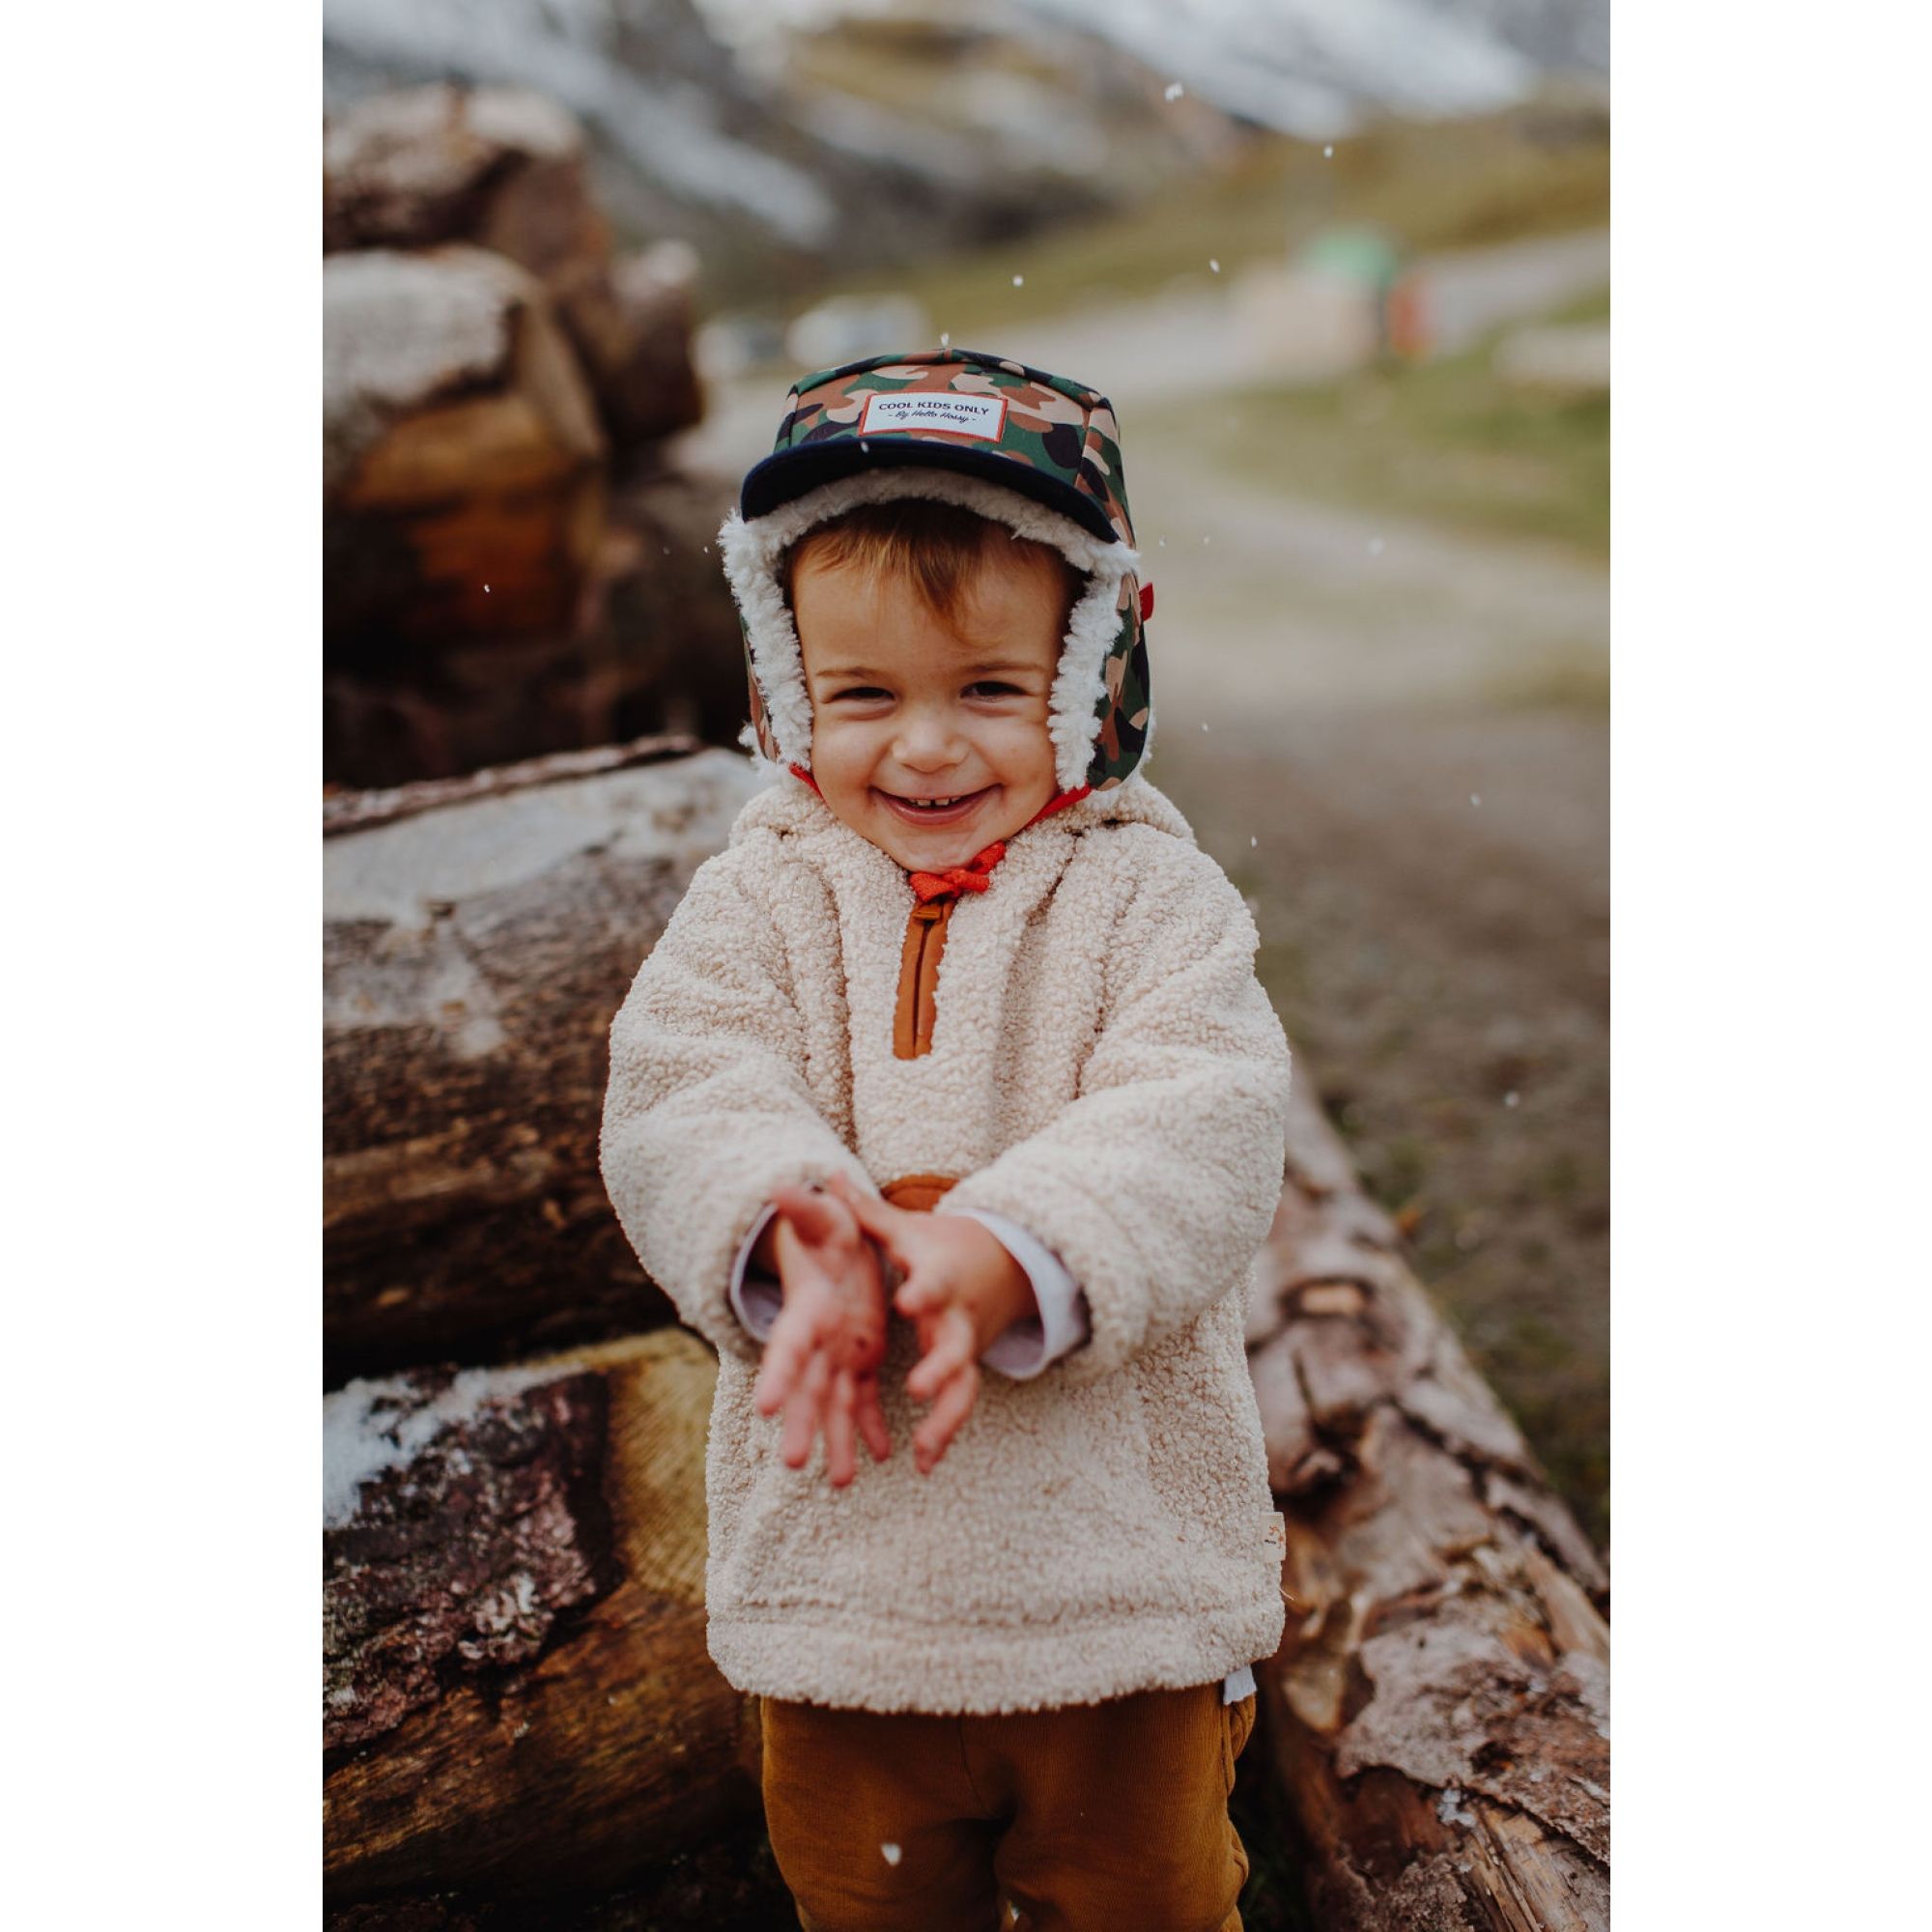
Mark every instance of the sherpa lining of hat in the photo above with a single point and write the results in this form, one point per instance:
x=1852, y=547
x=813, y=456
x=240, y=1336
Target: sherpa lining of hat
x=752, y=550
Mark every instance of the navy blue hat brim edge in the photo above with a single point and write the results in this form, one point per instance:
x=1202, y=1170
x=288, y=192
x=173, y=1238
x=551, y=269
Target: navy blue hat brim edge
x=787, y=475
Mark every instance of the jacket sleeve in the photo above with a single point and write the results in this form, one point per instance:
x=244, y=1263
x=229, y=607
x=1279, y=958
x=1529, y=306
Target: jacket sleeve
x=1159, y=1183
x=1034, y=1342
x=707, y=1109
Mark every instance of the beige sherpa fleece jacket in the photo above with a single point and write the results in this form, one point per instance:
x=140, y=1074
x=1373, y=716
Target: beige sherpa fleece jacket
x=1105, y=1070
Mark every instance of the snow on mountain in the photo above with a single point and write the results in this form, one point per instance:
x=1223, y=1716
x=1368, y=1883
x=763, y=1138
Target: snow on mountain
x=702, y=100
x=585, y=54
x=1312, y=67
x=1309, y=67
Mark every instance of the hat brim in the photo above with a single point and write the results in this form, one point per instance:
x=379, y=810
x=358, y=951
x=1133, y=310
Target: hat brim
x=790, y=473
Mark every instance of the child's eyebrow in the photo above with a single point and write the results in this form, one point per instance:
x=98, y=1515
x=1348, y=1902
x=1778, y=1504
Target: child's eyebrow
x=968, y=671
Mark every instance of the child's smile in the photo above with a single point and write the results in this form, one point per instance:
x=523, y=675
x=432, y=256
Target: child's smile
x=921, y=810
x=930, y=735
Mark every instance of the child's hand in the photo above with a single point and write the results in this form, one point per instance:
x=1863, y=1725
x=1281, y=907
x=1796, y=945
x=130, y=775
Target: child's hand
x=961, y=1287
x=822, y=1358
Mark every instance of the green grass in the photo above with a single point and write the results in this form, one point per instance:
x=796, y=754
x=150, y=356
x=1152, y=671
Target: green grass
x=1447, y=442
x=1443, y=184
x=1444, y=440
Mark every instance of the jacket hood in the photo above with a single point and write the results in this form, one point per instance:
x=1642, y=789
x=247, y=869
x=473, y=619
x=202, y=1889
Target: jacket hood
x=1035, y=452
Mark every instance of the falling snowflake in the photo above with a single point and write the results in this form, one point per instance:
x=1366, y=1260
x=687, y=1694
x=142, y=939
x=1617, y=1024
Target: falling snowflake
x=1253, y=840
x=1329, y=152
x=891, y=1854
x=1206, y=727
x=1213, y=265
x=1375, y=546
x=1019, y=281
x=1174, y=89
x=1475, y=798
x=944, y=340
x=486, y=591
x=1512, y=1097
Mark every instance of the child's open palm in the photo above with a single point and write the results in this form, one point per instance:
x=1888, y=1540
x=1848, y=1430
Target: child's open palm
x=821, y=1361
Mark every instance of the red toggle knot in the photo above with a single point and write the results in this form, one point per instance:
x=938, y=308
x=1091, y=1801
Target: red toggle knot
x=970, y=877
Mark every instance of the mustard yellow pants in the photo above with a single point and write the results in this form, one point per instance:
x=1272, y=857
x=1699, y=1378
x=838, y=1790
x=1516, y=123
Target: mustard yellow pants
x=1108, y=1817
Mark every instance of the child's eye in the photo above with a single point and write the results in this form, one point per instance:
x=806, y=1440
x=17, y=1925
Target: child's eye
x=862, y=691
x=997, y=689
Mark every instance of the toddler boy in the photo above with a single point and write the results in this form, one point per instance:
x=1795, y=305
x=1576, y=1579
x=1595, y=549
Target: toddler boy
x=963, y=1027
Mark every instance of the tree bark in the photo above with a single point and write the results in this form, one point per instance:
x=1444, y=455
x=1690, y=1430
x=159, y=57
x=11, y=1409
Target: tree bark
x=475, y=952
x=655, y=648
x=463, y=458
x=1438, y=1712
x=516, y=1688
x=631, y=322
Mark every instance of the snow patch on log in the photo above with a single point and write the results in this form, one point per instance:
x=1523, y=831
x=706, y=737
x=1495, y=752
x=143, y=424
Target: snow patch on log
x=400, y=873
x=370, y=1427
x=400, y=329
x=461, y=1514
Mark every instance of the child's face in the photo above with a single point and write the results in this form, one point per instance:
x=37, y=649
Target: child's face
x=905, y=706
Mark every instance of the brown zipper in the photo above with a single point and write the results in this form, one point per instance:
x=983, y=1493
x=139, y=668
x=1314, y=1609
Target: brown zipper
x=919, y=975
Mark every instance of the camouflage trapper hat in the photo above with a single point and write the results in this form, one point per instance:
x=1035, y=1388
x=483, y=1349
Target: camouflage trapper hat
x=1035, y=452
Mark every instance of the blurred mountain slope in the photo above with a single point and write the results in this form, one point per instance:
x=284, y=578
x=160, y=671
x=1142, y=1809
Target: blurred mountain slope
x=786, y=136
x=872, y=142
x=1311, y=68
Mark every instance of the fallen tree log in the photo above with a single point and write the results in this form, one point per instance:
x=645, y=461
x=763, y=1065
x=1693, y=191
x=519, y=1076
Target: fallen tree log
x=464, y=464
x=653, y=647
x=475, y=951
x=507, y=169
x=1437, y=1716
x=1437, y=1713
x=517, y=1693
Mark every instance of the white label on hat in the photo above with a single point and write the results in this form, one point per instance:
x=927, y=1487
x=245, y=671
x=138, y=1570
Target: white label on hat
x=982, y=417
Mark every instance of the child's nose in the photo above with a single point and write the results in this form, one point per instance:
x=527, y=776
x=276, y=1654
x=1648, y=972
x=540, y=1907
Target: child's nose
x=927, y=742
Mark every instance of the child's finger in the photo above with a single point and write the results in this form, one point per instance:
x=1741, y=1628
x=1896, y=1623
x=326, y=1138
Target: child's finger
x=871, y=1419
x=813, y=1217
x=950, y=1351
x=802, y=1410
x=878, y=1218
x=785, y=1349
x=954, y=1402
x=841, y=1464
x=915, y=1295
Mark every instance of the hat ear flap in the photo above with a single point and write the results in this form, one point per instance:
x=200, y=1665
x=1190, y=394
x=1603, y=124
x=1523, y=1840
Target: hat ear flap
x=761, y=724
x=1125, y=707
